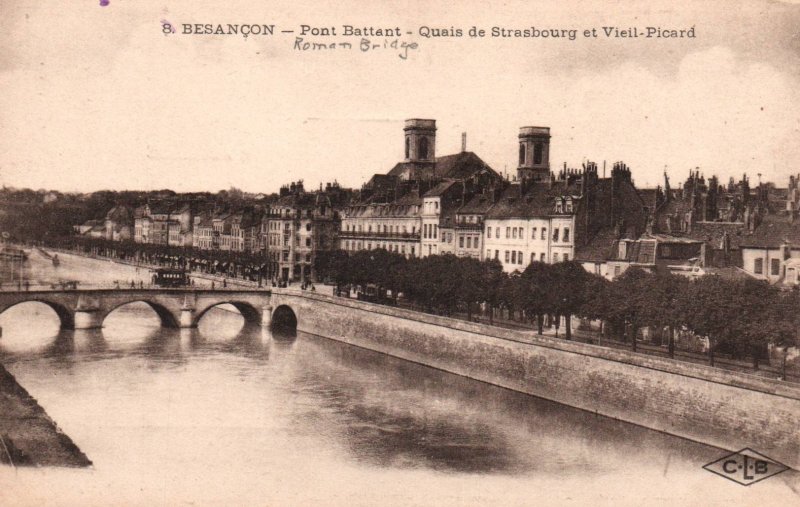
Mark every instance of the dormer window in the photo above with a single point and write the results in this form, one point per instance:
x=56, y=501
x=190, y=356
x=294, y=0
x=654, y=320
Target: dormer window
x=559, y=208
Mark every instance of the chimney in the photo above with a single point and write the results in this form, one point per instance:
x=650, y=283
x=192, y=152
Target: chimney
x=463, y=142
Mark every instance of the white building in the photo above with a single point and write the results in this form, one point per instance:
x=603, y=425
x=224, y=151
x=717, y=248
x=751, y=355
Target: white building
x=771, y=251
x=530, y=223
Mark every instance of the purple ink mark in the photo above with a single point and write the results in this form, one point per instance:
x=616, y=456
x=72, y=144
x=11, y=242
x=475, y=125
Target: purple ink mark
x=103, y=3
x=166, y=27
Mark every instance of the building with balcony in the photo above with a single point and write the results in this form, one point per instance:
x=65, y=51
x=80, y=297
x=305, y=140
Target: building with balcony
x=298, y=227
x=469, y=225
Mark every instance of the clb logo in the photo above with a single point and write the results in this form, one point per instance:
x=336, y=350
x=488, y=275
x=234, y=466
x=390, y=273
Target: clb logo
x=746, y=467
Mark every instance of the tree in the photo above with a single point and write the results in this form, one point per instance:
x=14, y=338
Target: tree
x=512, y=293
x=628, y=298
x=537, y=285
x=332, y=264
x=595, y=302
x=667, y=307
x=471, y=289
x=785, y=323
x=492, y=279
x=568, y=291
x=755, y=321
x=712, y=311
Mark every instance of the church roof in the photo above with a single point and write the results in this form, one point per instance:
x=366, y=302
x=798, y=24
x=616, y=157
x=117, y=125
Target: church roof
x=459, y=166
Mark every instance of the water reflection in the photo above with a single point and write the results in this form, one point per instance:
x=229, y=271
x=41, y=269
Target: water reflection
x=398, y=413
x=385, y=412
x=227, y=407
x=130, y=330
x=249, y=341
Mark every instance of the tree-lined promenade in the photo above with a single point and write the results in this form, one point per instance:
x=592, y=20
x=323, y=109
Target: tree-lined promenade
x=241, y=265
x=742, y=318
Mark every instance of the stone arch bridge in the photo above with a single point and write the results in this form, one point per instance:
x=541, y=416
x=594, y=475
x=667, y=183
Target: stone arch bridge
x=177, y=308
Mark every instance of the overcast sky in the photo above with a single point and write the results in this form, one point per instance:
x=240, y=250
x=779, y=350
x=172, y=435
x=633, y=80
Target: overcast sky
x=97, y=97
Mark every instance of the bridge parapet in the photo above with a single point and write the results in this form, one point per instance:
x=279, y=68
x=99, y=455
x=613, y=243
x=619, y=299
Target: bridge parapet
x=88, y=308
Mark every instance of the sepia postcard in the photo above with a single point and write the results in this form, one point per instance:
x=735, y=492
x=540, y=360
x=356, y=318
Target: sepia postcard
x=399, y=253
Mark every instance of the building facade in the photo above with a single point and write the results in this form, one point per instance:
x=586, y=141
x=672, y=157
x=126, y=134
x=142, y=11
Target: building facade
x=412, y=209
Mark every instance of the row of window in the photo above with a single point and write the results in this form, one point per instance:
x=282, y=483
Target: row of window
x=469, y=240
x=288, y=212
x=519, y=233
x=775, y=266
x=286, y=226
x=391, y=247
x=275, y=240
x=516, y=257
x=432, y=206
x=276, y=226
x=394, y=229
x=430, y=231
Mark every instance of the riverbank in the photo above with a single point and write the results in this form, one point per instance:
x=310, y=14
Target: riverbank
x=724, y=409
x=28, y=436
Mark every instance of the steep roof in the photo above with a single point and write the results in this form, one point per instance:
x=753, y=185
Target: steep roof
x=772, y=232
x=206, y=220
x=459, y=166
x=601, y=248
x=297, y=201
x=120, y=214
x=405, y=206
x=439, y=189
x=537, y=201
x=714, y=232
x=650, y=197
x=478, y=205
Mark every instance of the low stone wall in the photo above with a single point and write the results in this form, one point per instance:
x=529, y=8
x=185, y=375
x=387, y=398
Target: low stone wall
x=28, y=437
x=721, y=408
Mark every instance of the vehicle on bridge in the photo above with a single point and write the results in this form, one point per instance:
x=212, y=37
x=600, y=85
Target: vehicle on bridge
x=372, y=293
x=65, y=285
x=170, y=277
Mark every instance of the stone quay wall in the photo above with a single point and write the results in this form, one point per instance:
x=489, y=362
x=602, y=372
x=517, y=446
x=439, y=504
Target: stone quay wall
x=726, y=409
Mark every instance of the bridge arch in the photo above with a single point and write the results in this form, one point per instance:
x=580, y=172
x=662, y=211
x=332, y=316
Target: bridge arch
x=167, y=318
x=65, y=316
x=251, y=314
x=284, y=319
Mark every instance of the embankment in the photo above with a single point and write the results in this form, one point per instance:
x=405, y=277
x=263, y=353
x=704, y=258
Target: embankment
x=726, y=409
x=29, y=437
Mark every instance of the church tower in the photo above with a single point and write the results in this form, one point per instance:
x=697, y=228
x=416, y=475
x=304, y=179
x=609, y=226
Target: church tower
x=420, y=147
x=534, y=153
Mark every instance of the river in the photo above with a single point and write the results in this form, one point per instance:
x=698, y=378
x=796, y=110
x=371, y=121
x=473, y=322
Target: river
x=227, y=415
